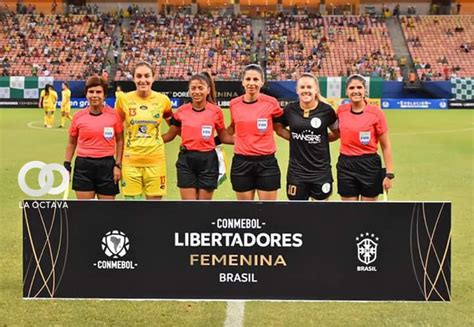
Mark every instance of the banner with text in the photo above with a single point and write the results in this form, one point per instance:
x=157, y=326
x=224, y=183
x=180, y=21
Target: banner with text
x=237, y=250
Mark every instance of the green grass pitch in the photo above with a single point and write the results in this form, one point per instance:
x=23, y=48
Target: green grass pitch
x=433, y=159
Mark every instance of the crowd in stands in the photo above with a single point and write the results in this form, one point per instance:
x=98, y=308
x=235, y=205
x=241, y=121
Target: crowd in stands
x=440, y=45
x=180, y=46
x=70, y=47
x=66, y=47
x=329, y=46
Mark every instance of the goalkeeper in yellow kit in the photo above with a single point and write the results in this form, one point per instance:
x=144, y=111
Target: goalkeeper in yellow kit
x=65, y=104
x=48, y=99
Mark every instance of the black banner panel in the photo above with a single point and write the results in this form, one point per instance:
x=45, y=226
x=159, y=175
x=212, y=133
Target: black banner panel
x=237, y=250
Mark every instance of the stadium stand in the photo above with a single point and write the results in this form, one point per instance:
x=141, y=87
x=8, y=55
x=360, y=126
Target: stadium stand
x=329, y=46
x=441, y=46
x=65, y=47
x=179, y=46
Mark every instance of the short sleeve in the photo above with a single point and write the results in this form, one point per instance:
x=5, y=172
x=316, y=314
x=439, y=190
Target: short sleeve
x=119, y=106
x=118, y=127
x=73, y=130
x=167, y=112
x=219, y=125
x=381, y=123
x=332, y=117
x=276, y=110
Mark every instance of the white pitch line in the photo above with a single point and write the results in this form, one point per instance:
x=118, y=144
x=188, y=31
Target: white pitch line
x=435, y=132
x=30, y=125
x=235, y=314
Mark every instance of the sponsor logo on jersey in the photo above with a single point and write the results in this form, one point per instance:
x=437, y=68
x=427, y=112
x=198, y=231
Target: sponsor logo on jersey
x=307, y=136
x=132, y=112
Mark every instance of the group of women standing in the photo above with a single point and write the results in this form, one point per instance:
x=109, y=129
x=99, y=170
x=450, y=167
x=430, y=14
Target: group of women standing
x=308, y=124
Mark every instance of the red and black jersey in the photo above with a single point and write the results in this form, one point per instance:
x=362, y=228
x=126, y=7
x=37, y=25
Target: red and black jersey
x=253, y=123
x=310, y=159
x=198, y=127
x=360, y=131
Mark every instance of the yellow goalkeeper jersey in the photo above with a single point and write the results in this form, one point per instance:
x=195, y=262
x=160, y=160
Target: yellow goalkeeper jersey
x=143, y=118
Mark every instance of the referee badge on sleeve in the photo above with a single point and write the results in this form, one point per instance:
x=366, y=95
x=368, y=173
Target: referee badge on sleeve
x=364, y=137
x=109, y=133
x=206, y=131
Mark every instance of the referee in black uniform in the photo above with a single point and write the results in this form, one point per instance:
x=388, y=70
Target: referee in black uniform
x=309, y=170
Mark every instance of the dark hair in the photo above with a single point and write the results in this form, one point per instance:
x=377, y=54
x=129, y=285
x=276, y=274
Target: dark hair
x=47, y=87
x=96, y=81
x=66, y=83
x=207, y=79
x=356, y=77
x=146, y=64
x=254, y=67
x=360, y=78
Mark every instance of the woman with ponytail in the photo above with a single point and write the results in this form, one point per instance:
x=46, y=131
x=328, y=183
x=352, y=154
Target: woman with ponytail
x=309, y=170
x=197, y=123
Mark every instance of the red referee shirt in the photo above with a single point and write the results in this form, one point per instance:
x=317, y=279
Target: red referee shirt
x=254, y=126
x=198, y=126
x=360, y=132
x=96, y=134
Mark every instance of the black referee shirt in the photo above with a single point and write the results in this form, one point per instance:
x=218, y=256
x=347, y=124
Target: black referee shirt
x=310, y=160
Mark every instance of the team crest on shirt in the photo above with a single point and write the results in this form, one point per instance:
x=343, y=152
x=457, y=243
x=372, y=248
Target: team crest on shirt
x=156, y=115
x=315, y=122
x=364, y=137
x=108, y=133
x=206, y=132
x=143, y=107
x=262, y=125
x=132, y=112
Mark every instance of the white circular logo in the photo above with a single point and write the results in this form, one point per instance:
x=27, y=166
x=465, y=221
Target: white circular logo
x=326, y=188
x=45, y=178
x=442, y=104
x=385, y=104
x=315, y=122
x=115, y=244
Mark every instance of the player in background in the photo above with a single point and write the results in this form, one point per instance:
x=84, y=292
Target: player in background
x=142, y=112
x=362, y=126
x=96, y=134
x=197, y=123
x=254, y=166
x=118, y=92
x=48, y=99
x=309, y=171
x=65, y=104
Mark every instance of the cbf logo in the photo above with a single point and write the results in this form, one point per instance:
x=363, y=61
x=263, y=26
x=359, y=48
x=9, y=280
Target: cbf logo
x=367, y=251
x=115, y=245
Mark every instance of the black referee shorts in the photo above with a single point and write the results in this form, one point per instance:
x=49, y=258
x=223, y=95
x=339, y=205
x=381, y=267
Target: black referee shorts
x=95, y=174
x=300, y=189
x=360, y=175
x=255, y=173
x=196, y=169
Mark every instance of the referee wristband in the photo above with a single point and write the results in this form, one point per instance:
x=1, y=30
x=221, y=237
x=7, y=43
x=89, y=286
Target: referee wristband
x=67, y=165
x=390, y=175
x=119, y=166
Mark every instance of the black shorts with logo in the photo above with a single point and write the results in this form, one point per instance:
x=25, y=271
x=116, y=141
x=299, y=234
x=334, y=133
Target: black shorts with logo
x=95, y=174
x=196, y=169
x=360, y=175
x=300, y=189
x=255, y=173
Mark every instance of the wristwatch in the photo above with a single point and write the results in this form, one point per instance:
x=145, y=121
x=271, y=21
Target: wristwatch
x=390, y=175
x=119, y=166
